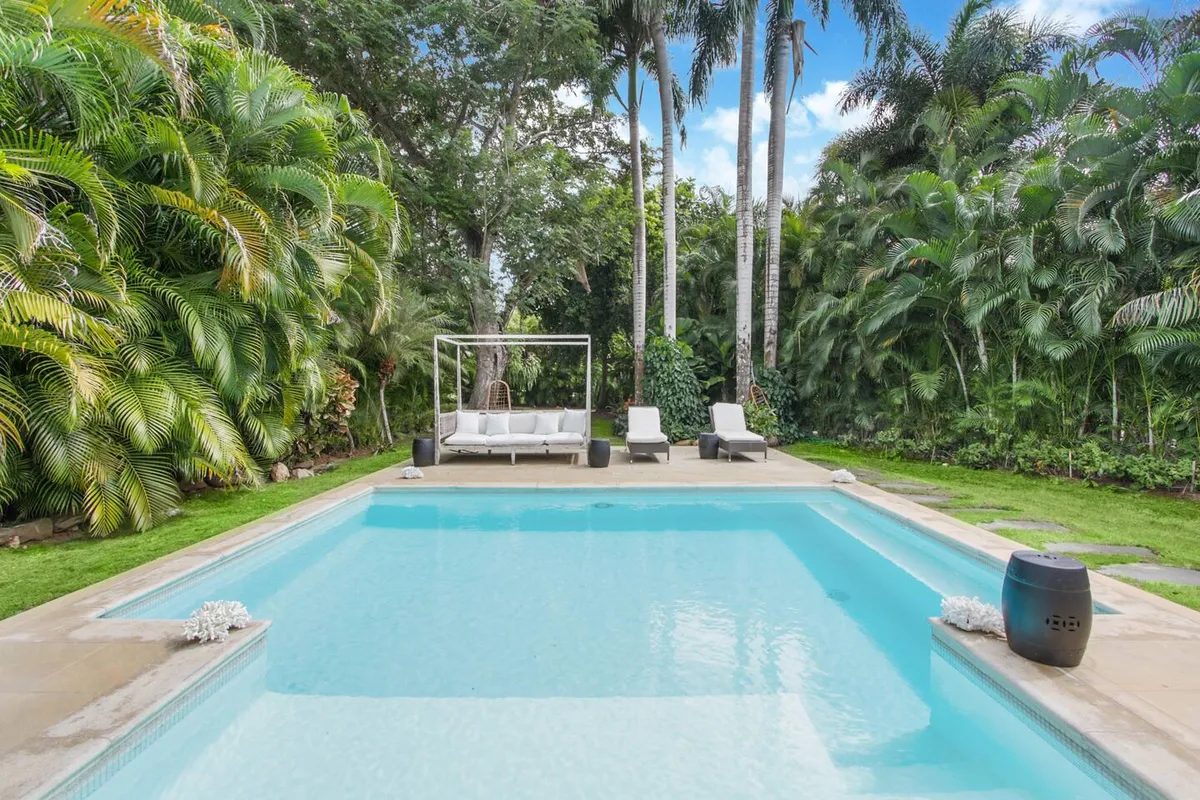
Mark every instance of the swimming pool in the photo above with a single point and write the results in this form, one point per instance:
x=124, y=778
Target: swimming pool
x=608, y=644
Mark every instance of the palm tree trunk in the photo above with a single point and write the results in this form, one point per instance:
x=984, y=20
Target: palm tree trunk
x=666, y=100
x=387, y=426
x=775, y=157
x=639, y=235
x=962, y=376
x=745, y=210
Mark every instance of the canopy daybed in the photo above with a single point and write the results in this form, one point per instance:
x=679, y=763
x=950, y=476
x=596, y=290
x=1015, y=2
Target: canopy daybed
x=504, y=430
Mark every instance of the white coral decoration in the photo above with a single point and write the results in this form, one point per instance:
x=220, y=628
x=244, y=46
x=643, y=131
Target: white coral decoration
x=843, y=476
x=972, y=614
x=412, y=472
x=211, y=622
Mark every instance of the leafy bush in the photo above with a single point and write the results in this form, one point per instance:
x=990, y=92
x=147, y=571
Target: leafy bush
x=326, y=429
x=1148, y=471
x=781, y=392
x=762, y=419
x=672, y=386
x=975, y=455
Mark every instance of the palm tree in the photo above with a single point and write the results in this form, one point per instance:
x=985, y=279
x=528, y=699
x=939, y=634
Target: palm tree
x=671, y=108
x=744, y=206
x=624, y=27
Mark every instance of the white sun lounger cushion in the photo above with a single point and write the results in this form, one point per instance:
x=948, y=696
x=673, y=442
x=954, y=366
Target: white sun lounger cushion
x=644, y=426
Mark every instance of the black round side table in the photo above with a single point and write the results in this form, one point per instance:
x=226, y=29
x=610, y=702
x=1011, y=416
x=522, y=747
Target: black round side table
x=599, y=452
x=709, y=445
x=1047, y=606
x=422, y=452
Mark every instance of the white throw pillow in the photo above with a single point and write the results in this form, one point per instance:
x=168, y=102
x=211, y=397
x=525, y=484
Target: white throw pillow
x=574, y=422
x=522, y=423
x=466, y=422
x=497, y=424
x=546, y=424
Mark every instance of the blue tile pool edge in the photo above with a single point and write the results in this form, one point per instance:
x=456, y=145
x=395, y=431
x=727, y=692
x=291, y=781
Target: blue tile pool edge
x=1089, y=756
x=129, y=609
x=151, y=726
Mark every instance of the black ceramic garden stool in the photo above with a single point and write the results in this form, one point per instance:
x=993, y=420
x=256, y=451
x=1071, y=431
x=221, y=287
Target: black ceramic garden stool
x=709, y=445
x=1047, y=604
x=599, y=451
x=422, y=452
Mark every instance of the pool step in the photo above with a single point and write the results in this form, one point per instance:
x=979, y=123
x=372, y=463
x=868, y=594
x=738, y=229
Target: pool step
x=945, y=780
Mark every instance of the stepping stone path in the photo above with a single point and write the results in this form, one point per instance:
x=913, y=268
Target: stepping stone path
x=1023, y=525
x=1154, y=572
x=906, y=487
x=1101, y=549
x=926, y=499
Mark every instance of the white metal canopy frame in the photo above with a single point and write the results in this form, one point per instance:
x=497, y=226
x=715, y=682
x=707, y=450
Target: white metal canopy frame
x=475, y=340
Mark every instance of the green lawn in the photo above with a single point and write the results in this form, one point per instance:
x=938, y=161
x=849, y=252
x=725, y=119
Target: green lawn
x=42, y=572
x=602, y=429
x=1168, y=525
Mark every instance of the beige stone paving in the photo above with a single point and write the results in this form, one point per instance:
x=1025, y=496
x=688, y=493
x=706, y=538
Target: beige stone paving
x=70, y=684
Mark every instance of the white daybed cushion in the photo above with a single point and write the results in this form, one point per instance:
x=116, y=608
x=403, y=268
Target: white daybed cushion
x=547, y=423
x=466, y=422
x=522, y=423
x=565, y=437
x=728, y=419
x=644, y=426
x=574, y=422
x=458, y=438
x=515, y=439
x=497, y=424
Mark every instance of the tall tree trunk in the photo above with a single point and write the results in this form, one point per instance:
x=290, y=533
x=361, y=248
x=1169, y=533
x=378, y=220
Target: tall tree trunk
x=1116, y=422
x=491, y=361
x=745, y=211
x=639, y=235
x=387, y=426
x=602, y=399
x=666, y=100
x=775, y=158
x=962, y=376
x=981, y=348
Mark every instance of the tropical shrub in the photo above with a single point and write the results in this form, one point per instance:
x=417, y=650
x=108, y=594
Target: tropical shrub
x=672, y=386
x=182, y=218
x=328, y=428
x=762, y=419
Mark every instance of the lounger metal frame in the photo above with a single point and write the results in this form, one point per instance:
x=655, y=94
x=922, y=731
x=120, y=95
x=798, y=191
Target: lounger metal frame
x=730, y=446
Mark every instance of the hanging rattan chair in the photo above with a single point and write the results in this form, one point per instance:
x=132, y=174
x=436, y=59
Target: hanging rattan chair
x=499, y=397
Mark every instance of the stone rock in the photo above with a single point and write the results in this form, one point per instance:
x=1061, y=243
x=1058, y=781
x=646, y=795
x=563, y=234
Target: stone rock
x=193, y=486
x=280, y=472
x=67, y=523
x=1023, y=525
x=1154, y=572
x=304, y=465
x=905, y=487
x=301, y=473
x=34, y=531
x=12, y=542
x=216, y=482
x=173, y=512
x=927, y=499
x=1102, y=549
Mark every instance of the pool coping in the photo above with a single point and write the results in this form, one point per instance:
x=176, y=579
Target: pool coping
x=1144, y=741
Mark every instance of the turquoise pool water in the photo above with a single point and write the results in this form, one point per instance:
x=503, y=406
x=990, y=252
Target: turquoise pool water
x=598, y=644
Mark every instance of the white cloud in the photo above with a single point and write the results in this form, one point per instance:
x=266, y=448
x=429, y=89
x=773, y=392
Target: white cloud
x=1078, y=15
x=824, y=105
x=813, y=120
x=572, y=96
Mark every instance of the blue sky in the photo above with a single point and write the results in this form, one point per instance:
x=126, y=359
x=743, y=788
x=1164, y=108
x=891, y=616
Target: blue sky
x=711, y=131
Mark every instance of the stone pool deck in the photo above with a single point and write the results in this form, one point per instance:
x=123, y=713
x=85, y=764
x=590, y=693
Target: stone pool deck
x=72, y=684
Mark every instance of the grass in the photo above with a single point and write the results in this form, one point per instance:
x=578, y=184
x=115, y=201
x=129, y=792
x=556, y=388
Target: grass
x=1103, y=515
x=602, y=429
x=41, y=572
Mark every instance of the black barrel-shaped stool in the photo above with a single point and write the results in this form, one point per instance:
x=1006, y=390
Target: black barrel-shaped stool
x=1047, y=605
x=599, y=452
x=422, y=452
x=709, y=444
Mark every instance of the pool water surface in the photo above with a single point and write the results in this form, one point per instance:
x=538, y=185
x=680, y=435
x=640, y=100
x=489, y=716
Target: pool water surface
x=599, y=644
